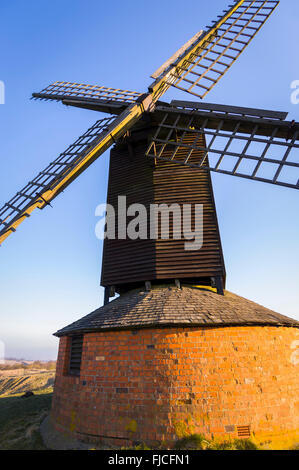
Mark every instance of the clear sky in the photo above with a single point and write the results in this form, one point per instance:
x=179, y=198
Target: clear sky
x=50, y=269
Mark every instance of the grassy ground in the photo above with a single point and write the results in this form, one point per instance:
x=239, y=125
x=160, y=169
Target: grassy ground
x=20, y=419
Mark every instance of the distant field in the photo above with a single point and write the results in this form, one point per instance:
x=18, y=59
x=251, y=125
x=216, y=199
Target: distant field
x=20, y=418
x=12, y=384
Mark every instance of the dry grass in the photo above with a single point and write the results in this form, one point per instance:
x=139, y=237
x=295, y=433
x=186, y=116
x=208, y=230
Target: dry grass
x=200, y=442
x=37, y=365
x=13, y=385
x=20, y=418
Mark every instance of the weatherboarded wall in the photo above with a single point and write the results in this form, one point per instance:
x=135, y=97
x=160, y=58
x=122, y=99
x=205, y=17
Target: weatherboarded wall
x=156, y=385
x=134, y=261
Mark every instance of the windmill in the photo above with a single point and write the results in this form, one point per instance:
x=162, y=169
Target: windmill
x=164, y=153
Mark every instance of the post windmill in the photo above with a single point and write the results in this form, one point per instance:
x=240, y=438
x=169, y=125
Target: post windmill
x=164, y=153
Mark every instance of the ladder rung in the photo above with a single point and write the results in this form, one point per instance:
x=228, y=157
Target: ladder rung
x=41, y=185
x=70, y=154
x=219, y=62
x=25, y=195
x=13, y=207
x=235, y=49
x=261, y=14
x=245, y=19
x=228, y=56
x=236, y=32
x=251, y=27
x=235, y=40
x=226, y=46
x=265, y=8
x=212, y=69
x=201, y=86
x=242, y=26
x=207, y=78
x=66, y=164
x=48, y=173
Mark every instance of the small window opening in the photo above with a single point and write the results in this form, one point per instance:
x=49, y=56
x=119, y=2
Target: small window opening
x=75, y=354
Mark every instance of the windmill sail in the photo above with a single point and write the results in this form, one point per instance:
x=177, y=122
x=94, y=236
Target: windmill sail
x=69, y=165
x=199, y=68
x=80, y=95
x=254, y=144
x=61, y=90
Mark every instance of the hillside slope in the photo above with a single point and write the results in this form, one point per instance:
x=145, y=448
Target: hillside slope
x=15, y=384
x=20, y=418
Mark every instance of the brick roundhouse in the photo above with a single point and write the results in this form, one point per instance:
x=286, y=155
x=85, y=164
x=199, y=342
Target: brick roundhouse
x=171, y=362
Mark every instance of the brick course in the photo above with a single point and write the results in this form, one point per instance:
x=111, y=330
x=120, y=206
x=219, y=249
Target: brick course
x=160, y=384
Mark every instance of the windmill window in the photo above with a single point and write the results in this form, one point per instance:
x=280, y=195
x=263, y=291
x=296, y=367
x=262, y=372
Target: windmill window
x=76, y=347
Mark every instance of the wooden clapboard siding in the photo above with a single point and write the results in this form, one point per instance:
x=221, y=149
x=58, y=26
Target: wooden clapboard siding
x=129, y=260
x=134, y=261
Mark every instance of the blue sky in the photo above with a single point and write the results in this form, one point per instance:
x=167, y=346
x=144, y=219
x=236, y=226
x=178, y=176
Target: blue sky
x=50, y=269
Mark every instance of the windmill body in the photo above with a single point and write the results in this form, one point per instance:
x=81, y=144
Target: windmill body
x=131, y=263
x=175, y=354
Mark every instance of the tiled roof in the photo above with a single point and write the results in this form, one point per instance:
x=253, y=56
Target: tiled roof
x=172, y=306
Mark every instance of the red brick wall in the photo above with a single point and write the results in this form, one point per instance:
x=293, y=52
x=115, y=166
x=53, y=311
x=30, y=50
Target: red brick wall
x=160, y=384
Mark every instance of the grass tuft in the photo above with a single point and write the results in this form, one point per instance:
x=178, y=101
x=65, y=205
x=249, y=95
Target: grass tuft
x=245, y=444
x=193, y=442
x=200, y=442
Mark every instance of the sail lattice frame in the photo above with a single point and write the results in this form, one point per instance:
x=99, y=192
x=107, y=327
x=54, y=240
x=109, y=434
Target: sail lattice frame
x=207, y=64
x=50, y=176
x=62, y=90
x=257, y=148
